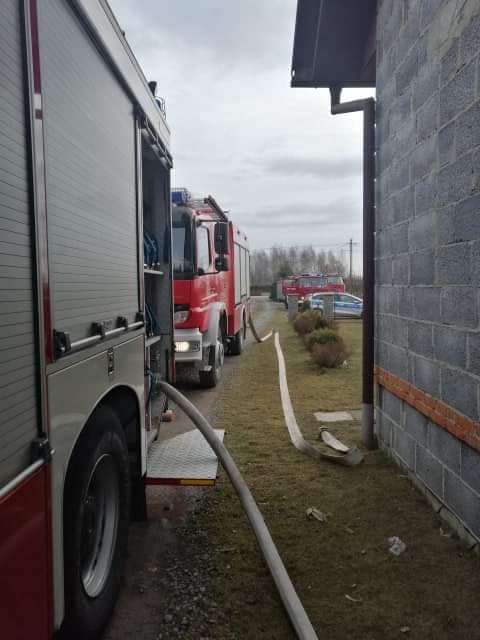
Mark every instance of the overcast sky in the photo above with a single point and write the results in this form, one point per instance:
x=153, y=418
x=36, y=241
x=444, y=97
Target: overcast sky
x=288, y=171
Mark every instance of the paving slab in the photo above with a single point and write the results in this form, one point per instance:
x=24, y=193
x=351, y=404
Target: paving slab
x=333, y=416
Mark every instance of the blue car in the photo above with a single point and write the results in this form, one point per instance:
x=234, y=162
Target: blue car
x=345, y=305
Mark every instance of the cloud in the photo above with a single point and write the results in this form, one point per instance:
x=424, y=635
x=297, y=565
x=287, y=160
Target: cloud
x=316, y=166
x=338, y=213
x=288, y=171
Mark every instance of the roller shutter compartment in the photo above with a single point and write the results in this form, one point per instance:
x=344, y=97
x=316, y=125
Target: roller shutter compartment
x=90, y=178
x=18, y=381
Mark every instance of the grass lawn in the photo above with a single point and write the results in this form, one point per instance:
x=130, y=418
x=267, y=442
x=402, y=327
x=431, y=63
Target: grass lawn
x=430, y=591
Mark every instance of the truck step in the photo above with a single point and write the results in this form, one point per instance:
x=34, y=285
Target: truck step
x=186, y=459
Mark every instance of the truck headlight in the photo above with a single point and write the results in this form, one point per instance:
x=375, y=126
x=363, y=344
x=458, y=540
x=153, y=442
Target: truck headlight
x=180, y=316
x=184, y=346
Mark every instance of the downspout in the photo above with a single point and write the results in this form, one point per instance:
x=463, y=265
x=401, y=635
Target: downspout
x=366, y=105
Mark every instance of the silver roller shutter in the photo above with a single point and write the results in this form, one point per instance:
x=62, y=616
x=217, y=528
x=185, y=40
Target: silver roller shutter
x=90, y=178
x=18, y=384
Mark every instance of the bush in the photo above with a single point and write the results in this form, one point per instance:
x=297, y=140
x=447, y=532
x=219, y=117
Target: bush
x=308, y=321
x=306, y=305
x=323, y=336
x=330, y=354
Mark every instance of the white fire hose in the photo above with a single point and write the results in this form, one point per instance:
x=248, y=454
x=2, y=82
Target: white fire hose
x=294, y=608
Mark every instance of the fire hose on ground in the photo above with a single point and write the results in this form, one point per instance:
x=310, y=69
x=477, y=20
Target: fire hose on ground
x=294, y=608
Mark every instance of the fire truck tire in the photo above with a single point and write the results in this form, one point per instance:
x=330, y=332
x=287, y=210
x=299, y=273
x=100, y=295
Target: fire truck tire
x=96, y=519
x=238, y=342
x=210, y=379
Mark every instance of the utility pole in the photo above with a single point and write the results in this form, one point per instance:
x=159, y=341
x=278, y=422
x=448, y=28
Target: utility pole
x=351, y=244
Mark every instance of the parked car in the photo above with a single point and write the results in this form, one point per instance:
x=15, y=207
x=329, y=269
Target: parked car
x=345, y=304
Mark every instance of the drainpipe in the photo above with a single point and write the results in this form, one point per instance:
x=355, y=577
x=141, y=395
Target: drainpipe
x=368, y=107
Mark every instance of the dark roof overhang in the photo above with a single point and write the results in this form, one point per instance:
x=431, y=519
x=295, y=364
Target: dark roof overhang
x=334, y=44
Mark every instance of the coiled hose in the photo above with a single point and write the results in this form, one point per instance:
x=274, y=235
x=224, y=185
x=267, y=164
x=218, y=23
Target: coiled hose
x=294, y=608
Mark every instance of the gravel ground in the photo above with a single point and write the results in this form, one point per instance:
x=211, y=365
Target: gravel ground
x=171, y=565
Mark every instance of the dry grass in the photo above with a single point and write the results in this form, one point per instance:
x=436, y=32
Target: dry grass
x=432, y=588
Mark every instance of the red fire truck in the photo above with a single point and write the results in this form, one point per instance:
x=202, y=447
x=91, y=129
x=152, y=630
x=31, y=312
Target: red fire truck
x=305, y=284
x=211, y=269
x=86, y=315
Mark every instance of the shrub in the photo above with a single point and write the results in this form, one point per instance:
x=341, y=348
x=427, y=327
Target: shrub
x=330, y=354
x=308, y=321
x=306, y=305
x=323, y=336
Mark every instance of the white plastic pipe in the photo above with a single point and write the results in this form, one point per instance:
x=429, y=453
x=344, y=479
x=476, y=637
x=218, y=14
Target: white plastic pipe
x=294, y=608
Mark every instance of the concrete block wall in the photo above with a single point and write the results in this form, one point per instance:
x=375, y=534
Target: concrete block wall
x=428, y=235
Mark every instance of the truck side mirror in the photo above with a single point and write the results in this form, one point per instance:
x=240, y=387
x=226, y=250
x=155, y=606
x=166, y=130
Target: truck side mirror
x=221, y=263
x=221, y=238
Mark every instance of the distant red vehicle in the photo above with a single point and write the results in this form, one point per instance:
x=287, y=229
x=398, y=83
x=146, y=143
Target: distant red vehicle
x=211, y=270
x=306, y=284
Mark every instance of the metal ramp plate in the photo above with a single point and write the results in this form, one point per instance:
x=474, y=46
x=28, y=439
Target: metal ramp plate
x=186, y=459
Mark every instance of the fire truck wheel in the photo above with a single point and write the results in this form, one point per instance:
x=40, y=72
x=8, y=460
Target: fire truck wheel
x=96, y=519
x=238, y=342
x=211, y=378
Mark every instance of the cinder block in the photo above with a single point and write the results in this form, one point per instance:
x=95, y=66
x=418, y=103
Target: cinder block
x=387, y=299
x=426, y=375
x=445, y=225
x=473, y=348
x=460, y=391
x=450, y=346
x=415, y=424
x=429, y=470
x=446, y=150
x=411, y=29
x=468, y=129
x=449, y=62
x=420, y=233
x=391, y=406
x=400, y=174
x=404, y=446
x=405, y=301
x=399, y=235
x=401, y=113
x=405, y=138
x=427, y=123
x=397, y=361
x=422, y=268
x=426, y=303
x=430, y=9
x=459, y=306
x=444, y=446
x=453, y=264
x=467, y=220
x=420, y=338
x=426, y=194
x=383, y=243
x=407, y=71
x=399, y=331
x=455, y=181
x=470, y=466
x=400, y=270
x=383, y=270
x=403, y=205
x=464, y=502
x=383, y=428
x=456, y=95
x=426, y=84
x=425, y=158
x=470, y=39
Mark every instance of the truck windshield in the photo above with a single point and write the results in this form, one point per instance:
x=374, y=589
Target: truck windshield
x=335, y=280
x=182, y=256
x=312, y=282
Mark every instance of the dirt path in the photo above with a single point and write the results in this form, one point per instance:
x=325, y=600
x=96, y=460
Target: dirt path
x=171, y=564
